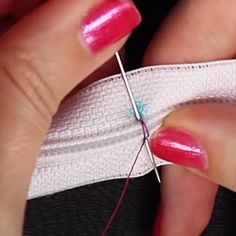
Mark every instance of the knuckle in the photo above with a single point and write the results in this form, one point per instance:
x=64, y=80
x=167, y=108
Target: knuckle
x=24, y=78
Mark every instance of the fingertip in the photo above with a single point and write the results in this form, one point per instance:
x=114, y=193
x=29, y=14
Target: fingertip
x=203, y=140
x=107, y=23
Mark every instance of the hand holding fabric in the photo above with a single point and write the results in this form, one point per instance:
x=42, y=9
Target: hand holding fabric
x=42, y=58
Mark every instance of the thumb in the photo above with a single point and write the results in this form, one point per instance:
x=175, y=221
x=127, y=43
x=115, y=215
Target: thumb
x=202, y=138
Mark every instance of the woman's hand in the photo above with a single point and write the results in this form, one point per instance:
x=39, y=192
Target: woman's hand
x=42, y=58
x=199, y=137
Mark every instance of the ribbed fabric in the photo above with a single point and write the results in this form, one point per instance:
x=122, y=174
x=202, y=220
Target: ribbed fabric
x=94, y=137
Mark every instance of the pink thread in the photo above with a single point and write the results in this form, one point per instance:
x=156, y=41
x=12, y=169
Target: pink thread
x=124, y=190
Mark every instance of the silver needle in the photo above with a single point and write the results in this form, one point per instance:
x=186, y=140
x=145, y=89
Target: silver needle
x=137, y=113
x=131, y=97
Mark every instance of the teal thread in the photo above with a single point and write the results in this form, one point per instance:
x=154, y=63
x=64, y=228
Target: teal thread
x=142, y=108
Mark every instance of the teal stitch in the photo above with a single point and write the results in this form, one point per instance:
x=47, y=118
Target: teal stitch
x=142, y=108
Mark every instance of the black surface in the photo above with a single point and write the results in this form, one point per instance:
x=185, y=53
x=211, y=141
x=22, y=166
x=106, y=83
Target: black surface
x=223, y=221
x=84, y=211
x=153, y=12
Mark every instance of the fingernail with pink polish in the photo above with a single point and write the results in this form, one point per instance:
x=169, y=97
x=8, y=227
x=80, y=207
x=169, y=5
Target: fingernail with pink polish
x=108, y=22
x=179, y=147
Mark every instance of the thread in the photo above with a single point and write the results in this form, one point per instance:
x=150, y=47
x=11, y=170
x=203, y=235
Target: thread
x=126, y=184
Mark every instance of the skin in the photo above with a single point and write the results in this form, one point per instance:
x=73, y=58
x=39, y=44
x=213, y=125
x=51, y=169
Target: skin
x=35, y=77
x=28, y=104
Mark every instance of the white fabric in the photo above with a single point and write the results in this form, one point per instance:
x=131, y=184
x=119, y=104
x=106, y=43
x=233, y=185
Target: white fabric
x=94, y=137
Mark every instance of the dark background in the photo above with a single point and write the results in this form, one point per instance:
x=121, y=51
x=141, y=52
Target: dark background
x=85, y=210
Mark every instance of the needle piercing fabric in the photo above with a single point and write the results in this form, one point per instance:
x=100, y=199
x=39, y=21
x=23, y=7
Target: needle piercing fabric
x=94, y=136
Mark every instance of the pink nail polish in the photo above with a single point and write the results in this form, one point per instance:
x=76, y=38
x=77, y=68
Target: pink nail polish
x=179, y=147
x=108, y=22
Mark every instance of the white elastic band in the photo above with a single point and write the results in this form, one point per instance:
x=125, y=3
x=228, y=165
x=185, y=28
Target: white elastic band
x=94, y=137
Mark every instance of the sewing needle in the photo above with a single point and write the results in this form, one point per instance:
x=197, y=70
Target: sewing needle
x=137, y=113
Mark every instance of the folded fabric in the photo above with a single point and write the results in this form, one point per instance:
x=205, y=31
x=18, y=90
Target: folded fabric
x=94, y=136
